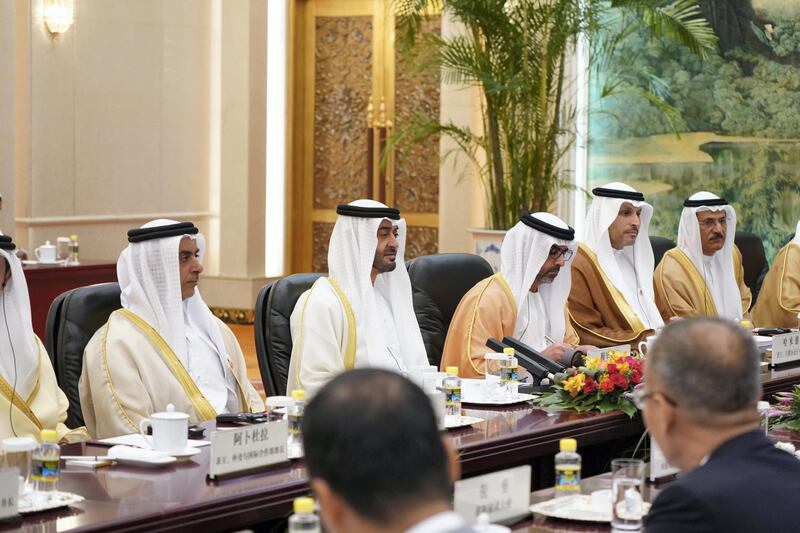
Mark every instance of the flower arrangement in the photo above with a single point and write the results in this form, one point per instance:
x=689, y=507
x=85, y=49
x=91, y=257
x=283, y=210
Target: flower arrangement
x=785, y=414
x=598, y=385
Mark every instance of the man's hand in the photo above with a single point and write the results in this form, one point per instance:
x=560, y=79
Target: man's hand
x=555, y=351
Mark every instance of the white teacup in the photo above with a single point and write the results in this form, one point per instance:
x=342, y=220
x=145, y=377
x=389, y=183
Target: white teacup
x=437, y=401
x=170, y=430
x=646, y=345
x=46, y=253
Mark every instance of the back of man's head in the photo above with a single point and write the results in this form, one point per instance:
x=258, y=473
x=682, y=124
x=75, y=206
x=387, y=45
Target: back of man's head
x=707, y=366
x=371, y=435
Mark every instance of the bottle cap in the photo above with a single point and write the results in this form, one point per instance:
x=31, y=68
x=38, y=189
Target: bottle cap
x=568, y=445
x=49, y=435
x=304, y=505
x=509, y=351
x=298, y=394
x=452, y=370
x=762, y=405
x=19, y=444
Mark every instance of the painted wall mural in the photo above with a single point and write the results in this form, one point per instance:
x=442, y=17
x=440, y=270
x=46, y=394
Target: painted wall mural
x=739, y=123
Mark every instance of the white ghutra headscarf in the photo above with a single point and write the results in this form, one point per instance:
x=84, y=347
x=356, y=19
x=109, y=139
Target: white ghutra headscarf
x=149, y=277
x=19, y=351
x=797, y=233
x=601, y=215
x=350, y=256
x=727, y=298
x=525, y=249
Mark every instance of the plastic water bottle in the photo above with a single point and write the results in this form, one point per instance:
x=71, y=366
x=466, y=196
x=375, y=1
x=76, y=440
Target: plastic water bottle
x=763, y=414
x=72, y=258
x=304, y=519
x=509, y=373
x=294, y=414
x=44, y=466
x=451, y=386
x=568, y=469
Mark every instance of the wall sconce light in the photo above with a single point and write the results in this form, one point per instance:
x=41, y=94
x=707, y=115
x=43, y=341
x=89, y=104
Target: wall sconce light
x=58, y=15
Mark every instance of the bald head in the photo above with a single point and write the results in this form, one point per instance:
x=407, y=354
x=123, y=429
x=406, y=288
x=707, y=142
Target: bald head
x=707, y=366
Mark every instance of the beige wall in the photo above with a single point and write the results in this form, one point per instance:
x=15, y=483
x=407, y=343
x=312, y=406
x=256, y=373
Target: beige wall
x=143, y=109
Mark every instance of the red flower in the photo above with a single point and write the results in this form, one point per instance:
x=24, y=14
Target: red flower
x=589, y=385
x=612, y=368
x=606, y=385
x=618, y=381
x=636, y=377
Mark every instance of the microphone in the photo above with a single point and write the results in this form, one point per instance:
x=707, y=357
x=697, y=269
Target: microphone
x=520, y=347
x=539, y=372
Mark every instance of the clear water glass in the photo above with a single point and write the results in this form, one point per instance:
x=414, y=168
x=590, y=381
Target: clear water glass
x=627, y=494
x=494, y=388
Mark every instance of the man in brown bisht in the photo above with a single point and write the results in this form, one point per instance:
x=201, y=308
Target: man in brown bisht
x=526, y=299
x=778, y=302
x=611, y=301
x=703, y=275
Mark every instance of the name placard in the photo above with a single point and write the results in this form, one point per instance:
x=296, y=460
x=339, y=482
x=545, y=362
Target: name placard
x=502, y=495
x=247, y=448
x=786, y=348
x=9, y=491
x=602, y=353
x=659, y=466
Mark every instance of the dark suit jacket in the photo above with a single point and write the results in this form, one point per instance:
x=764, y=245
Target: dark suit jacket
x=747, y=485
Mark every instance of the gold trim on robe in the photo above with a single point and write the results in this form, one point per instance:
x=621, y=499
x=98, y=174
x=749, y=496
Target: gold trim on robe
x=778, y=302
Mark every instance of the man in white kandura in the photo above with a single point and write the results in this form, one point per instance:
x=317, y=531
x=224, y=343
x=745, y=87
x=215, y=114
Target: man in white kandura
x=164, y=346
x=362, y=314
x=30, y=399
x=703, y=275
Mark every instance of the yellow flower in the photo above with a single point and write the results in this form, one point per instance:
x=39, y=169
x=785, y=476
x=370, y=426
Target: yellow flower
x=592, y=363
x=623, y=367
x=574, y=385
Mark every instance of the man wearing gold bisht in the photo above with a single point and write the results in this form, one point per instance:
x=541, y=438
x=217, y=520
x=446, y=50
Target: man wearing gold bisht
x=703, y=275
x=525, y=300
x=778, y=302
x=30, y=399
x=611, y=301
x=164, y=346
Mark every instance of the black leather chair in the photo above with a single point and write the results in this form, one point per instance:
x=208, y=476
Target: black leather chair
x=661, y=245
x=754, y=261
x=73, y=318
x=438, y=283
x=274, y=307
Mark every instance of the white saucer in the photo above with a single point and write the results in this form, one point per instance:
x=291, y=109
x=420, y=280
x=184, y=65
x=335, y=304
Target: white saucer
x=36, y=262
x=186, y=454
x=127, y=455
x=461, y=421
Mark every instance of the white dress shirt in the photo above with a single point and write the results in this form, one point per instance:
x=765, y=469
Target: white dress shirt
x=439, y=523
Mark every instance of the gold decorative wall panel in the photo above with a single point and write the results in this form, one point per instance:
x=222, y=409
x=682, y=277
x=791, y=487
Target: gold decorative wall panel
x=343, y=84
x=417, y=166
x=421, y=241
x=322, y=235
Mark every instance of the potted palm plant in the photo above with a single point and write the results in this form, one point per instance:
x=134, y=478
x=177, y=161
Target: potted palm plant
x=517, y=53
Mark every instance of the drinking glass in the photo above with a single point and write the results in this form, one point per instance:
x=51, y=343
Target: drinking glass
x=627, y=484
x=494, y=389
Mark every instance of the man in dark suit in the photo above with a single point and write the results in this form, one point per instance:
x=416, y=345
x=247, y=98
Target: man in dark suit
x=701, y=387
x=375, y=457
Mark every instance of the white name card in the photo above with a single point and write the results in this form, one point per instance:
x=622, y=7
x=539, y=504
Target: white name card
x=247, y=448
x=9, y=492
x=602, y=353
x=659, y=466
x=501, y=495
x=786, y=348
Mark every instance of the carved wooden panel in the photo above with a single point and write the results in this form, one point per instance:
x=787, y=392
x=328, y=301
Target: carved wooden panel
x=421, y=241
x=417, y=166
x=322, y=236
x=343, y=84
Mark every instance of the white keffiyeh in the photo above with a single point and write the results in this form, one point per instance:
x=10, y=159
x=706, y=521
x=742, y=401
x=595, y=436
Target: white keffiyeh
x=16, y=330
x=522, y=255
x=350, y=257
x=716, y=270
x=638, y=288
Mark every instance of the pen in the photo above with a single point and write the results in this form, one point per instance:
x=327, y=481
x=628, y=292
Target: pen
x=86, y=458
x=549, y=340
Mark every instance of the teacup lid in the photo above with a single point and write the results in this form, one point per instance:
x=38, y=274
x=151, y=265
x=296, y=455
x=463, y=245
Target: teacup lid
x=170, y=413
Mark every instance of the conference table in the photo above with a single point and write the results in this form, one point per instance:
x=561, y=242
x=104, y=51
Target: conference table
x=180, y=498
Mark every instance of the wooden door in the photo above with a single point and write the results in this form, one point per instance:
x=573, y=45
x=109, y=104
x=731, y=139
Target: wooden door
x=349, y=89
